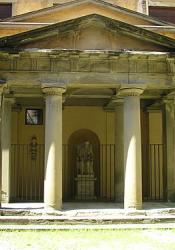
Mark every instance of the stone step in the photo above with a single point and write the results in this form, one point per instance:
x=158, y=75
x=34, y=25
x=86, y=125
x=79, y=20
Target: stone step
x=84, y=220
x=66, y=227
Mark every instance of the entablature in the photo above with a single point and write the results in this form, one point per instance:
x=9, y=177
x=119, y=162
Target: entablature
x=87, y=61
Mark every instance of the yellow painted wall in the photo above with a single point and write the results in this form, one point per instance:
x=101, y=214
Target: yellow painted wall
x=156, y=155
x=74, y=118
x=155, y=128
x=22, y=6
x=87, y=9
x=21, y=133
x=100, y=122
x=92, y=118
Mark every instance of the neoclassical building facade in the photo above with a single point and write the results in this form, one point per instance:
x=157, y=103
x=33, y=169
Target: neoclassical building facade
x=87, y=103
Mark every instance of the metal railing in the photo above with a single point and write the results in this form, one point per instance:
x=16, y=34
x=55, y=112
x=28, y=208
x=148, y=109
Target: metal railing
x=153, y=172
x=27, y=173
x=98, y=185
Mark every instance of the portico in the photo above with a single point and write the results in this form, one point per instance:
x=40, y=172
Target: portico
x=89, y=80
x=131, y=98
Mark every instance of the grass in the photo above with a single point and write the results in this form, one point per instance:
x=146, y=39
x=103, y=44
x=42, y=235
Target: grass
x=88, y=240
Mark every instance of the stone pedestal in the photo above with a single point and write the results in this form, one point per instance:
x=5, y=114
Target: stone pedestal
x=85, y=187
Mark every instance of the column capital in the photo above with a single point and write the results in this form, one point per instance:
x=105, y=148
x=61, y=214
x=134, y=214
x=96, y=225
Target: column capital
x=10, y=100
x=117, y=100
x=168, y=101
x=135, y=90
x=52, y=90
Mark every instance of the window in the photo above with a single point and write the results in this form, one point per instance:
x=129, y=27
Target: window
x=34, y=117
x=163, y=13
x=5, y=10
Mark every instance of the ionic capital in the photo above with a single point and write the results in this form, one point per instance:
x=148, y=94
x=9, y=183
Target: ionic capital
x=53, y=90
x=9, y=100
x=117, y=100
x=130, y=91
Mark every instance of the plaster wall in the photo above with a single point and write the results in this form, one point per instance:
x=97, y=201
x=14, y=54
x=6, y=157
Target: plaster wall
x=21, y=6
x=21, y=133
x=100, y=122
x=103, y=124
x=92, y=118
x=93, y=37
x=155, y=128
x=86, y=9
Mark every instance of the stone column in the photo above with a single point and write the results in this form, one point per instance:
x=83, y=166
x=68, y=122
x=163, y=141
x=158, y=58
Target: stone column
x=132, y=148
x=169, y=139
x=1, y=90
x=53, y=148
x=119, y=164
x=6, y=148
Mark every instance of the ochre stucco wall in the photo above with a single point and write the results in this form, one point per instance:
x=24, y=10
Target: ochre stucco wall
x=92, y=118
x=21, y=133
x=155, y=128
x=74, y=118
x=100, y=122
x=21, y=6
x=86, y=9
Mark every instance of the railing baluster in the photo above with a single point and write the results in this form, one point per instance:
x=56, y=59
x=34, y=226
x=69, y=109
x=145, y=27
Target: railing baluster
x=28, y=175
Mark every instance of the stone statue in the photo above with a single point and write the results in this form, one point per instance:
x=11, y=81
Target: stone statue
x=85, y=159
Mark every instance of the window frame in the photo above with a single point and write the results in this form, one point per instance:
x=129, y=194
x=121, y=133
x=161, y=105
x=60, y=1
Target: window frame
x=41, y=119
x=8, y=4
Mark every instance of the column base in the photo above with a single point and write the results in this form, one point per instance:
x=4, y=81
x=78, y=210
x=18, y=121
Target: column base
x=53, y=206
x=5, y=198
x=133, y=206
x=171, y=196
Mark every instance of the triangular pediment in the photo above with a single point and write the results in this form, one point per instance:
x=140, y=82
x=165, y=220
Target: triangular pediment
x=93, y=32
x=78, y=8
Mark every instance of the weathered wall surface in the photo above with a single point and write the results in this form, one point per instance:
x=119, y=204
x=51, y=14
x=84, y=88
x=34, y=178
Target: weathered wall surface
x=86, y=9
x=21, y=6
x=168, y=3
x=91, y=38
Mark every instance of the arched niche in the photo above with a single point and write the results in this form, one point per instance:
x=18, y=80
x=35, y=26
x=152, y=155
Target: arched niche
x=77, y=138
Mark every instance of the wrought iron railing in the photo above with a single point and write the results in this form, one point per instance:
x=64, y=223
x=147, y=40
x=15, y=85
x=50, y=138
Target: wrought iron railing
x=153, y=172
x=27, y=173
x=98, y=185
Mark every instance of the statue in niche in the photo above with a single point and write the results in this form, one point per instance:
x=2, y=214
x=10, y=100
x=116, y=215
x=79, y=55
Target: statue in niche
x=85, y=159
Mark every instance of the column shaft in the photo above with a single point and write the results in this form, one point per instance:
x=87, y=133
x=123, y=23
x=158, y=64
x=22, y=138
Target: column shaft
x=119, y=164
x=6, y=149
x=0, y=147
x=132, y=153
x=53, y=150
x=170, y=149
x=132, y=147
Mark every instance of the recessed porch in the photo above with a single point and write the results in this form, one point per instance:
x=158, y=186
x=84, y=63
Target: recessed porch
x=105, y=136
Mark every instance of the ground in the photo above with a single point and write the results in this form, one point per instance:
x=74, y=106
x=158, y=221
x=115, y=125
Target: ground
x=88, y=240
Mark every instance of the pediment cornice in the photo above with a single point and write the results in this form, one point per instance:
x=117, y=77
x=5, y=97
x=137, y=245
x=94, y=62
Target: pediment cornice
x=18, y=40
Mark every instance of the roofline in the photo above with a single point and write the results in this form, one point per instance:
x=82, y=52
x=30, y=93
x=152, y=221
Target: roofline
x=103, y=2
x=25, y=37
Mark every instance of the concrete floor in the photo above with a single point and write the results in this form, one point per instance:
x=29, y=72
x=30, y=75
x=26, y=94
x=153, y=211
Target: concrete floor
x=90, y=206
